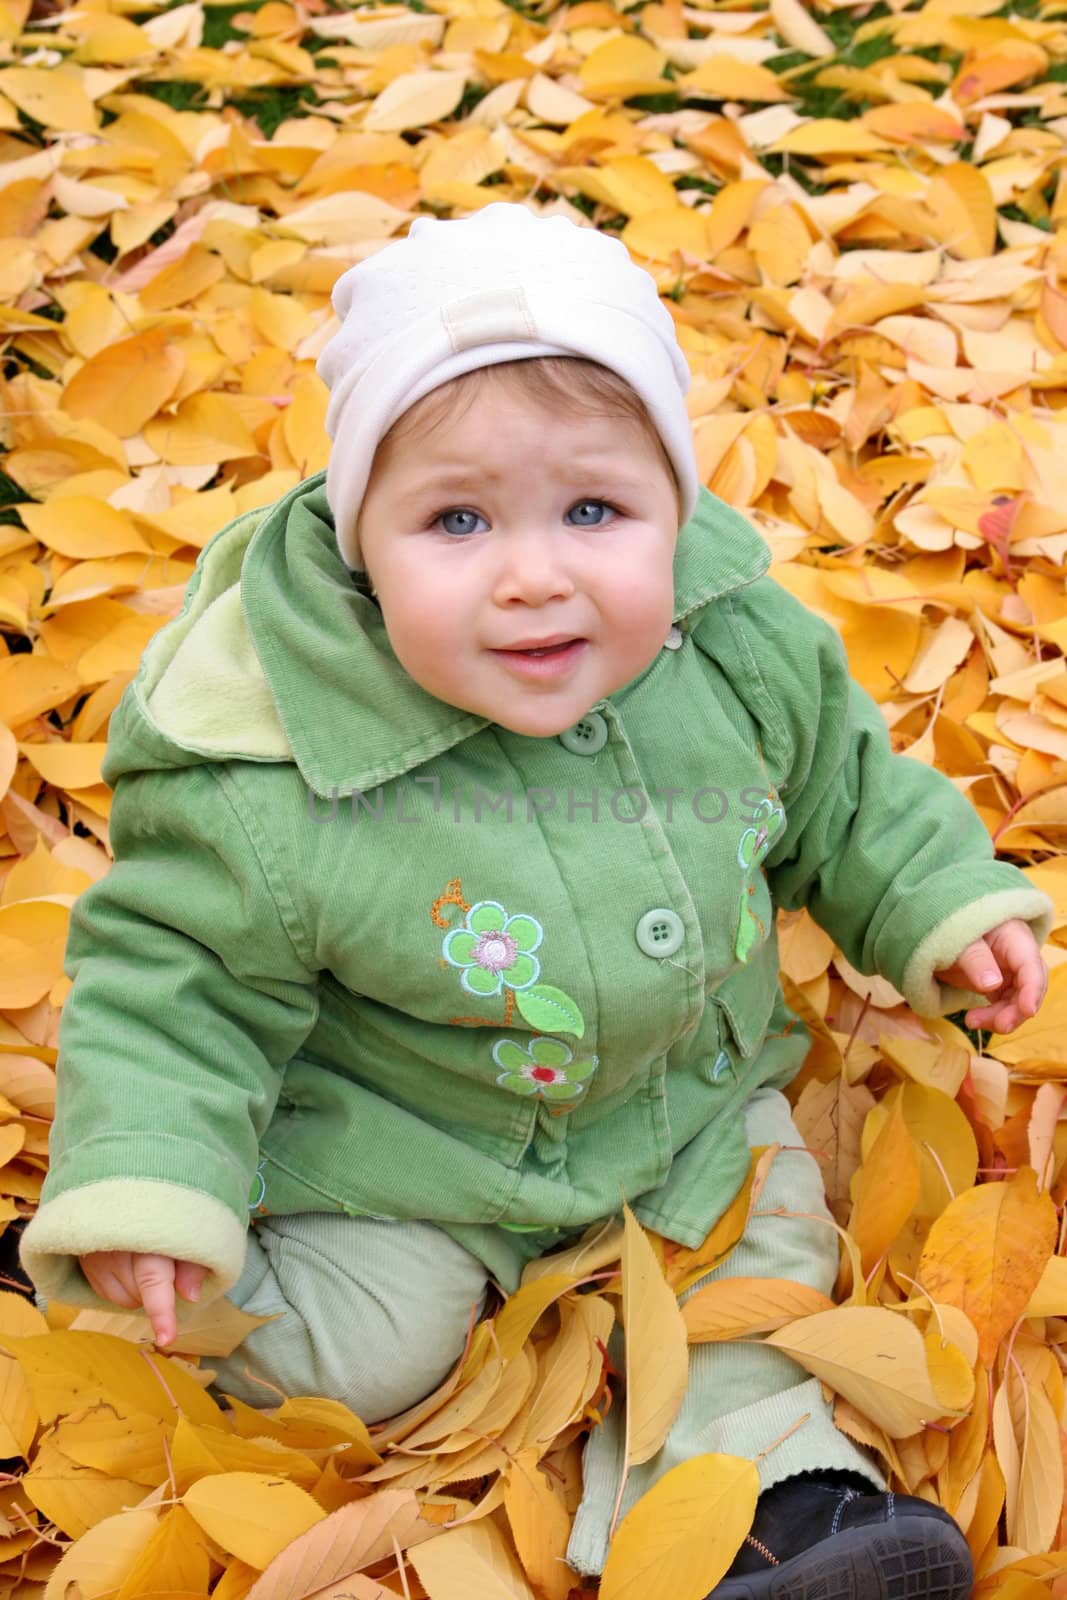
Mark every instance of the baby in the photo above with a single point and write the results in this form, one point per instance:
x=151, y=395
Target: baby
x=450, y=821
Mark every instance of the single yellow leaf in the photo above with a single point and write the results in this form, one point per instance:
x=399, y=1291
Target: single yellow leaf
x=468, y=1561
x=540, y=1527
x=724, y=77
x=1027, y=1438
x=18, y=1414
x=657, y=1356
x=872, y=1356
x=124, y=1445
x=250, y=1514
x=68, y=766
x=986, y=1253
x=622, y=67
x=69, y=1370
x=32, y=685
x=75, y=1498
x=680, y=1537
x=18, y=1315
x=660, y=233
x=951, y=1375
x=52, y=96
x=175, y=1560
x=1049, y=1298
x=33, y=937
x=415, y=99
x=799, y=28
x=961, y=203
x=97, y=1564
x=885, y=1189
x=204, y=430
x=357, y=1536
x=190, y=275
x=735, y=1308
x=126, y=382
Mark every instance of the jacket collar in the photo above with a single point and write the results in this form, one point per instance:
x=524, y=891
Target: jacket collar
x=353, y=717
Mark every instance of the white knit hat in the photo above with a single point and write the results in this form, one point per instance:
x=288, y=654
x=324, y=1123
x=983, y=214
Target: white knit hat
x=500, y=285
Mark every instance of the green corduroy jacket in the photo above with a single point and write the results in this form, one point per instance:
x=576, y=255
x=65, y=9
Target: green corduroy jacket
x=362, y=951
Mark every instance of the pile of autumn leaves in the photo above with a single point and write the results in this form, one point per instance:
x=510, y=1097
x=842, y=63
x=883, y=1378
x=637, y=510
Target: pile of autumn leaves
x=472, y=1491
x=879, y=357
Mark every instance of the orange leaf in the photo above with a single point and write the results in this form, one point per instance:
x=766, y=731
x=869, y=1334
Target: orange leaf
x=986, y=1253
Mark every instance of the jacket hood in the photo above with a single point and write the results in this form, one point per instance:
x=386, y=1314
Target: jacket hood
x=280, y=655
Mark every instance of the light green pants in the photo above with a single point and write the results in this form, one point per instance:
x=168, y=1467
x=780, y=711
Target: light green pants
x=376, y=1313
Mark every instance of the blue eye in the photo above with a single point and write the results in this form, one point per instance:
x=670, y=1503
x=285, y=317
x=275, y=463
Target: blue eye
x=472, y=516
x=584, y=505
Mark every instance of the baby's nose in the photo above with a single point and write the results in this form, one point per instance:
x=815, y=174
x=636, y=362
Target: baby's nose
x=532, y=570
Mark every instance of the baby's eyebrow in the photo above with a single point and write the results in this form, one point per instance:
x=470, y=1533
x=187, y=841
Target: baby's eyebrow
x=576, y=471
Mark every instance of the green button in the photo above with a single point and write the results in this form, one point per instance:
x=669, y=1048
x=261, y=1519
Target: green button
x=587, y=737
x=660, y=932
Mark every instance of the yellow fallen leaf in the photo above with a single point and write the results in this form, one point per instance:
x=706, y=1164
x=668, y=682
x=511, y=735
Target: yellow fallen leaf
x=251, y=1515
x=725, y=77
x=1027, y=1438
x=473, y=1560
x=52, y=96
x=657, y=1357
x=523, y=1309
x=733, y=1308
x=680, y=1537
x=1049, y=1298
x=986, y=1253
x=19, y=1418
x=69, y=1370
x=961, y=204
x=126, y=382
x=68, y=766
x=342, y=1544
x=97, y=1564
x=33, y=937
x=540, y=1527
x=75, y=1498
x=174, y=1560
x=873, y=1357
x=30, y=685
x=799, y=28
x=884, y=1189
x=414, y=99
x=206, y=428
x=622, y=67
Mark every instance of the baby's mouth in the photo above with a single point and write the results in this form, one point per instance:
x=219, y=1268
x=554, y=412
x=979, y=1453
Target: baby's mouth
x=547, y=649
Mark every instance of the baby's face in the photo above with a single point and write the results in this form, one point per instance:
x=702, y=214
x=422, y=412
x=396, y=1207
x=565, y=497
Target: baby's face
x=523, y=561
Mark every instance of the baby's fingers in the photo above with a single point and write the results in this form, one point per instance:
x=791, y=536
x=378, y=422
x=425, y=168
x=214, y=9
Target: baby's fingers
x=155, y=1281
x=110, y=1275
x=189, y=1279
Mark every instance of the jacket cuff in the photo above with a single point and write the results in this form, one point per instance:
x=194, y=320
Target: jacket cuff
x=929, y=998
x=135, y=1214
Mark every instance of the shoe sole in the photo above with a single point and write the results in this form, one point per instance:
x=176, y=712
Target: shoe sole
x=910, y=1558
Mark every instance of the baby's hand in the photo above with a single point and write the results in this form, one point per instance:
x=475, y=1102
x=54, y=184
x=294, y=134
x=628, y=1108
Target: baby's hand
x=1006, y=964
x=142, y=1280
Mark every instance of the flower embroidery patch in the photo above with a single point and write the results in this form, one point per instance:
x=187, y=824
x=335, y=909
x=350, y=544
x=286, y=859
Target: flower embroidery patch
x=545, y=1067
x=753, y=848
x=494, y=950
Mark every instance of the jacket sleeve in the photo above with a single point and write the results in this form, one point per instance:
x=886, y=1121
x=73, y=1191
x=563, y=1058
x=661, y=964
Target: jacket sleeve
x=190, y=994
x=883, y=850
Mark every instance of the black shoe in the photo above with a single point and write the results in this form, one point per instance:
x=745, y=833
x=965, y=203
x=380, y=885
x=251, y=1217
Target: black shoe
x=817, y=1539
